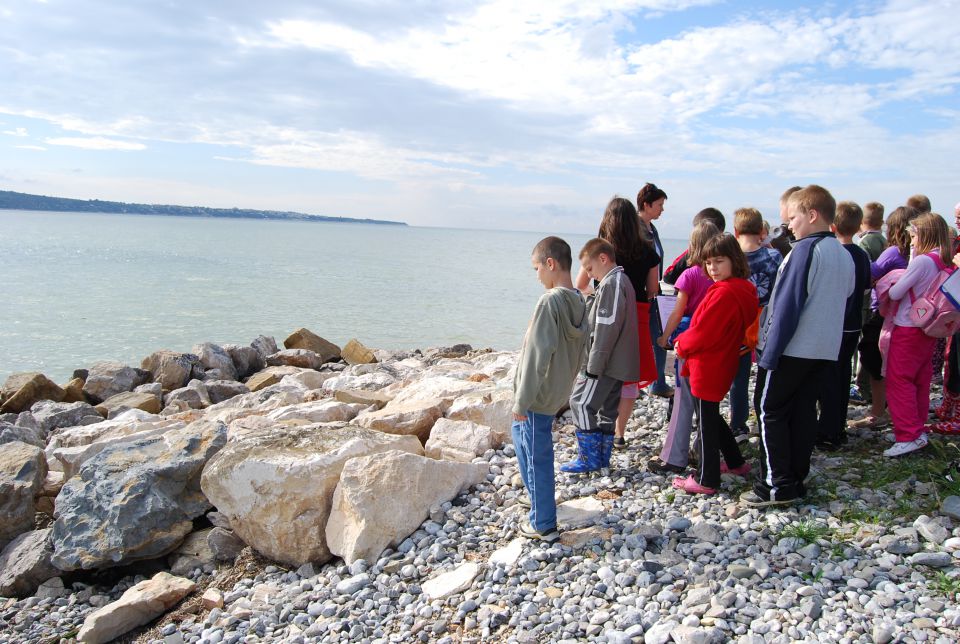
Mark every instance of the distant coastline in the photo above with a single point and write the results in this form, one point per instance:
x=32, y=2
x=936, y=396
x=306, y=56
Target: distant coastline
x=10, y=200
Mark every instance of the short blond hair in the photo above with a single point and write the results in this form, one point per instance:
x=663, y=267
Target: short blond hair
x=748, y=221
x=596, y=247
x=818, y=198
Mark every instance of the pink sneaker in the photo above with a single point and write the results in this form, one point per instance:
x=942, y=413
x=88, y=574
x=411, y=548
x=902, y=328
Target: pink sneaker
x=690, y=486
x=743, y=470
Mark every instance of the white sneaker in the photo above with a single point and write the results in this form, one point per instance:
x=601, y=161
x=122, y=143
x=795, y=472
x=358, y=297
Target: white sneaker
x=906, y=447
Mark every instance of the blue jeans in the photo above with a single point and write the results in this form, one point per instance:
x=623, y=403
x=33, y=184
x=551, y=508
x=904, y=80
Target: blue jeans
x=659, y=354
x=739, y=397
x=534, y=446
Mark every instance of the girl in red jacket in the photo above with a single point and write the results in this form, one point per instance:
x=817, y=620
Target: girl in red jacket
x=710, y=349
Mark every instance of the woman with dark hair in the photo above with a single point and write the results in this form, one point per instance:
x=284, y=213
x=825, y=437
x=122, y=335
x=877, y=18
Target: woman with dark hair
x=650, y=206
x=620, y=227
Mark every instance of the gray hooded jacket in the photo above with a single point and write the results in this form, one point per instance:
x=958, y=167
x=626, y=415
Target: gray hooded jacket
x=614, y=346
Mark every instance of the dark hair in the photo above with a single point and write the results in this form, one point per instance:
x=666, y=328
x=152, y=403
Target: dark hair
x=621, y=227
x=920, y=203
x=873, y=214
x=898, y=224
x=788, y=192
x=648, y=194
x=596, y=247
x=712, y=215
x=553, y=248
x=815, y=197
x=727, y=246
x=748, y=221
x=848, y=219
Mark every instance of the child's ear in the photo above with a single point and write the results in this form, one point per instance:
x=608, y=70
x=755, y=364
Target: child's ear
x=833, y=228
x=551, y=264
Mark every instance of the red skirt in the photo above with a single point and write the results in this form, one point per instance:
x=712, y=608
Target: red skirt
x=648, y=366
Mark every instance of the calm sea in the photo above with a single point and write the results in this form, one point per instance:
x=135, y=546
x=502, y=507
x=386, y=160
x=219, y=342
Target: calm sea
x=78, y=288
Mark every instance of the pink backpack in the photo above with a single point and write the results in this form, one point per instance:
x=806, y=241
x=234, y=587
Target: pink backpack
x=933, y=311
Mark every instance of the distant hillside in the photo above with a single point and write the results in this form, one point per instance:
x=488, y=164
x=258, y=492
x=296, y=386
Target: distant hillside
x=22, y=201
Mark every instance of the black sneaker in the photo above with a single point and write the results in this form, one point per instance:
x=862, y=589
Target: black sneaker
x=754, y=500
x=657, y=466
x=528, y=531
x=619, y=442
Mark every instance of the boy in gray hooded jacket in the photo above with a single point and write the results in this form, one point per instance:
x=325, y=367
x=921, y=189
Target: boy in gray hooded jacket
x=548, y=362
x=613, y=357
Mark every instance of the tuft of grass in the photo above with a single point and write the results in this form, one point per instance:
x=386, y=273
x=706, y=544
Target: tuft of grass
x=807, y=531
x=670, y=496
x=944, y=585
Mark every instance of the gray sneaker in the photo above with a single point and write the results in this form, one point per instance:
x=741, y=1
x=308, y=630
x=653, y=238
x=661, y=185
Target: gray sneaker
x=528, y=531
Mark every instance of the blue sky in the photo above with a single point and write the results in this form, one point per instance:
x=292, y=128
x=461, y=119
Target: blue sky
x=489, y=114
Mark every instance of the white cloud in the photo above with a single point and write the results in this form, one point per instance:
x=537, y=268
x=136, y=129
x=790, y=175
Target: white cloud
x=95, y=143
x=20, y=131
x=30, y=147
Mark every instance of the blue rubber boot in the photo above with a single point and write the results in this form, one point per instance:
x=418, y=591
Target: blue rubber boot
x=590, y=445
x=606, y=450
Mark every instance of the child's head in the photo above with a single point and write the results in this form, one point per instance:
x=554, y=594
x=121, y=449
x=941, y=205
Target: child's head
x=597, y=257
x=784, y=198
x=621, y=228
x=748, y=221
x=898, y=233
x=848, y=219
x=722, y=258
x=920, y=203
x=699, y=236
x=650, y=201
x=873, y=215
x=551, y=260
x=712, y=215
x=810, y=210
x=928, y=233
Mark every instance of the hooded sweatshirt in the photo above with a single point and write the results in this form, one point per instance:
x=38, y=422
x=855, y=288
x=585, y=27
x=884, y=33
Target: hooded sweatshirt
x=711, y=346
x=551, y=353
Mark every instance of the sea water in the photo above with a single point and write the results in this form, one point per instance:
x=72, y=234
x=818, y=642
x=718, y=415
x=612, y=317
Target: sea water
x=78, y=288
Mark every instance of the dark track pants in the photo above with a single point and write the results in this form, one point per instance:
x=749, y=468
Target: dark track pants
x=595, y=402
x=715, y=438
x=835, y=391
x=785, y=402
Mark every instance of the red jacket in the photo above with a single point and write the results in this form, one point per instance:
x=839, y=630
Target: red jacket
x=710, y=348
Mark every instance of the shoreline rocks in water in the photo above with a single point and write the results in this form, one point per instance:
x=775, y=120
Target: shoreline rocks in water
x=382, y=499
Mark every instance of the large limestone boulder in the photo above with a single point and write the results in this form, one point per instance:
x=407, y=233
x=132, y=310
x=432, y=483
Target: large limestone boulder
x=443, y=388
x=306, y=339
x=119, y=403
x=303, y=358
x=246, y=359
x=23, y=469
x=307, y=378
x=25, y=564
x=365, y=382
x=276, y=487
x=21, y=390
x=170, y=368
x=353, y=352
x=71, y=459
x=213, y=356
x=319, y=411
x=126, y=423
x=262, y=380
x=55, y=415
x=412, y=418
x=134, y=500
x=383, y=498
x=493, y=408
x=30, y=434
x=365, y=398
x=106, y=379
x=139, y=605
x=458, y=440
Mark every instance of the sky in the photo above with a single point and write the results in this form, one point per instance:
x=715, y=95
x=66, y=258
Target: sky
x=480, y=114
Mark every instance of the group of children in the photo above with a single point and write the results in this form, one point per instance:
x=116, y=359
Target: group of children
x=800, y=314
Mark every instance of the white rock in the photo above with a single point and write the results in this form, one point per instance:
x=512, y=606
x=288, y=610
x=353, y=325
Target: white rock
x=276, y=486
x=383, y=498
x=71, y=459
x=366, y=382
x=412, y=418
x=450, y=583
x=140, y=604
x=508, y=555
x=577, y=513
x=492, y=408
x=442, y=388
x=457, y=440
x=308, y=379
x=319, y=411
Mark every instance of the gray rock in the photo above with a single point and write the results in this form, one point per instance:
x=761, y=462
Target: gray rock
x=812, y=607
x=705, y=532
x=151, y=388
x=932, y=559
x=951, y=507
x=659, y=633
x=108, y=379
x=246, y=359
x=899, y=545
x=23, y=469
x=52, y=588
x=170, y=369
x=188, y=397
x=25, y=564
x=931, y=530
x=53, y=415
x=265, y=346
x=883, y=633
x=134, y=500
x=10, y=433
x=225, y=544
x=213, y=356
x=303, y=358
x=351, y=585
x=21, y=390
x=220, y=390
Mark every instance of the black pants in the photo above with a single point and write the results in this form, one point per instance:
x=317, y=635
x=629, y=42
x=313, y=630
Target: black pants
x=870, y=356
x=835, y=392
x=953, y=365
x=785, y=401
x=595, y=402
x=715, y=437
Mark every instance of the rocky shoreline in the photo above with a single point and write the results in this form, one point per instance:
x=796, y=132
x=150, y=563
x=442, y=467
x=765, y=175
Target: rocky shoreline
x=245, y=493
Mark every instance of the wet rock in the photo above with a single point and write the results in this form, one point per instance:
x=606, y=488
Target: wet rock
x=107, y=379
x=134, y=500
x=21, y=390
x=276, y=486
x=382, y=498
x=306, y=339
